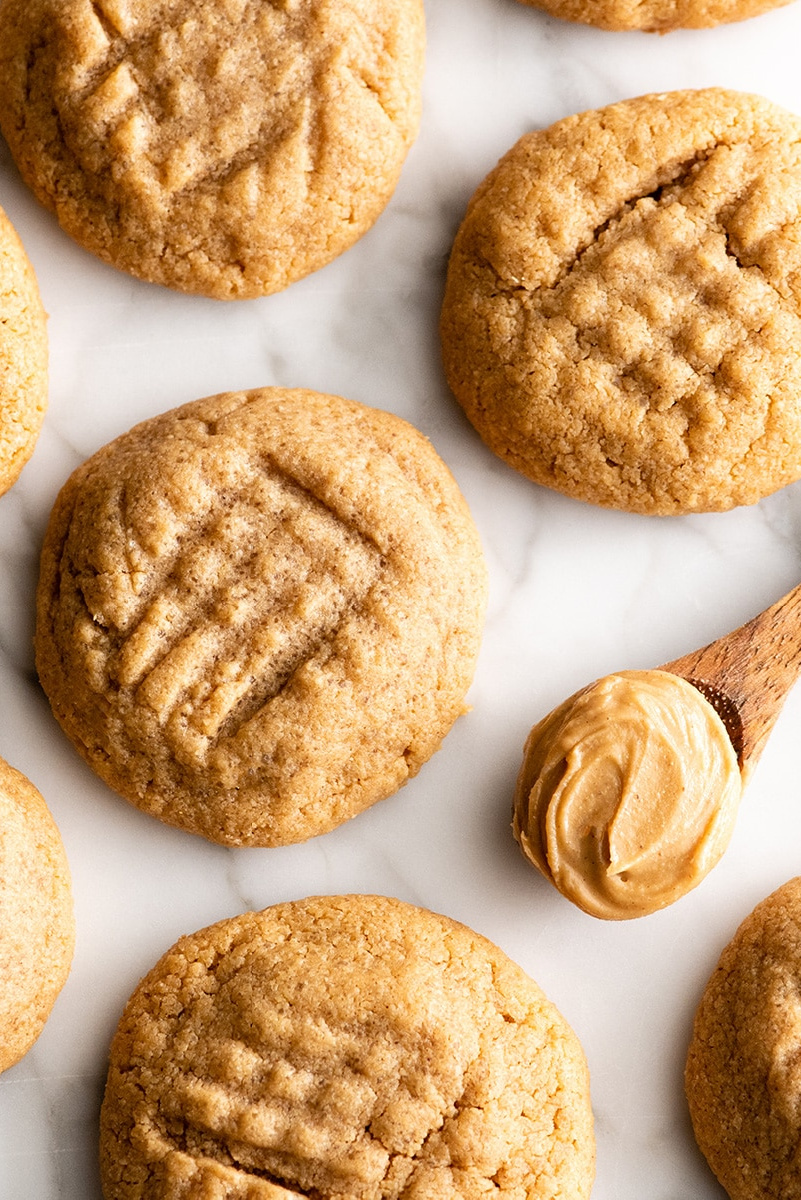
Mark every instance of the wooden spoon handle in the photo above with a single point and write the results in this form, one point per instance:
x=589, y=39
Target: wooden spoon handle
x=747, y=674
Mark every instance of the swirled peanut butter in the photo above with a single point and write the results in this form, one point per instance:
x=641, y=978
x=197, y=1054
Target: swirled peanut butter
x=628, y=793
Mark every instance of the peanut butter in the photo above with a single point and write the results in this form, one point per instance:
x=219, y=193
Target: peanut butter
x=628, y=793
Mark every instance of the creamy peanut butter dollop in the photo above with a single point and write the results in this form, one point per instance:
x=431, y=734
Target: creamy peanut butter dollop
x=628, y=793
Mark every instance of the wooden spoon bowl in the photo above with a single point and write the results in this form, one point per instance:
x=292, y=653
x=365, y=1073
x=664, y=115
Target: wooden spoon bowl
x=628, y=791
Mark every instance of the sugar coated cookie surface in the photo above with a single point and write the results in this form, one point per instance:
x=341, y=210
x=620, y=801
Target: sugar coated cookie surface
x=23, y=357
x=655, y=16
x=37, y=927
x=743, y=1065
x=344, y=1047
x=260, y=613
x=226, y=148
x=622, y=316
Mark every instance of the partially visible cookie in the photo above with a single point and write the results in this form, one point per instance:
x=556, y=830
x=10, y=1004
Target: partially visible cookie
x=226, y=148
x=655, y=16
x=743, y=1072
x=37, y=927
x=622, y=316
x=344, y=1046
x=260, y=613
x=23, y=356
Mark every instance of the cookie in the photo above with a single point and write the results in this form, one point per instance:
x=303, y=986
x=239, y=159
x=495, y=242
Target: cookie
x=344, y=1046
x=23, y=357
x=37, y=927
x=260, y=613
x=742, y=1074
x=655, y=16
x=622, y=315
x=224, y=148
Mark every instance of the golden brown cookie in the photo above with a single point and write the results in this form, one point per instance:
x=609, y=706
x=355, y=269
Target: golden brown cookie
x=37, y=927
x=744, y=1060
x=346, y=1047
x=23, y=357
x=655, y=16
x=260, y=613
x=622, y=316
x=226, y=148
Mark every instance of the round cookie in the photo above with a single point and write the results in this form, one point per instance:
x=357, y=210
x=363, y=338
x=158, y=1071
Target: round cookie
x=37, y=927
x=23, y=357
x=225, y=148
x=655, y=16
x=260, y=613
x=742, y=1074
x=344, y=1046
x=622, y=315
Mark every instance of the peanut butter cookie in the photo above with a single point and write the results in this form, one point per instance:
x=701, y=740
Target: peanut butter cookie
x=37, y=927
x=343, y=1047
x=744, y=1060
x=622, y=316
x=23, y=357
x=260, y=613
x=226, y=148
x=655, y=16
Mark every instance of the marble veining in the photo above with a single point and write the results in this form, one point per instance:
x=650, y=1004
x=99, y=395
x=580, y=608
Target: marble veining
x=575, y=592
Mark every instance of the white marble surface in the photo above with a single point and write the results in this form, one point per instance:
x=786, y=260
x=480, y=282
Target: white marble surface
x=575, y=592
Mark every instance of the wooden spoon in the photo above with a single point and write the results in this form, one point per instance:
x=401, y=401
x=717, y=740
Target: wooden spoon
x=747, y=675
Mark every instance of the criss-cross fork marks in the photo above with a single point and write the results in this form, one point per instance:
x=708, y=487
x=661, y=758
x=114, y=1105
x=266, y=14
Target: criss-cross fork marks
x=270, y=1117
x=663, y=302
x=182, y=107
x=256, y=591
x=665, y=292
